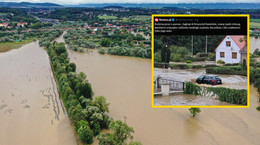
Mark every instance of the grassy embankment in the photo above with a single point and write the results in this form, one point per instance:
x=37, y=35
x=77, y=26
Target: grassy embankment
x=7, y=46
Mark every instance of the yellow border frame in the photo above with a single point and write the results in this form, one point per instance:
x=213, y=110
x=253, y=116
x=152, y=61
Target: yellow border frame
x=199, y=15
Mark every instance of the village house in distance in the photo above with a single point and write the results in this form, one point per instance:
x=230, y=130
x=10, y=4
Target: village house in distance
x=232, y=49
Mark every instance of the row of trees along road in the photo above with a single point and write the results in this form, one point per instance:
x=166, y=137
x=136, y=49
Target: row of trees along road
x=88, y=115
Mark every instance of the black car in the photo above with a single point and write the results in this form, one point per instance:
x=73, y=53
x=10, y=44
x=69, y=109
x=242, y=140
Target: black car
x=209, y=79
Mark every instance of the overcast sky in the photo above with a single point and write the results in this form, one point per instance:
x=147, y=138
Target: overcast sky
x=131, y=1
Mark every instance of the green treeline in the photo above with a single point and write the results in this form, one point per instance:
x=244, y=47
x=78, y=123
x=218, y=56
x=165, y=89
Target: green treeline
x=229, y=70
x=178, y=48
x=78, y=40
x=255, y=72
x=88, y=115
x=118, y=43
x=49, y=36
x=228, y=95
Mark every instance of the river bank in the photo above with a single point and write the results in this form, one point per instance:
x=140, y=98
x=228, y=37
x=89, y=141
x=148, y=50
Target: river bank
x=30, y=108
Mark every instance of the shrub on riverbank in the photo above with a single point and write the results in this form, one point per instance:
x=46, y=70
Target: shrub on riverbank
x=130, y=51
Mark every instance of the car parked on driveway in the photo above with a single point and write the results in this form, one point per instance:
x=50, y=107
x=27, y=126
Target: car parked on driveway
x=209, y=79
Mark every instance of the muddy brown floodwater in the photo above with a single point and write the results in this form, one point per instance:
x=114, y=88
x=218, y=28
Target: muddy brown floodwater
x=230, y=81
x=126, y=83
x=31, y=111
x=254, y=43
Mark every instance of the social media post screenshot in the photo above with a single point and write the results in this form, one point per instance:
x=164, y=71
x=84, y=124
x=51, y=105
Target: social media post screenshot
x=200, y=61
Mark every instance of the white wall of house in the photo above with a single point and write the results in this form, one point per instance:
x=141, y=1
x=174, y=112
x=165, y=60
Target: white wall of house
x=228, y=51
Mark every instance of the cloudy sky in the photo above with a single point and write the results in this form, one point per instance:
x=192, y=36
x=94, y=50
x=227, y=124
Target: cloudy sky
x=131, y=1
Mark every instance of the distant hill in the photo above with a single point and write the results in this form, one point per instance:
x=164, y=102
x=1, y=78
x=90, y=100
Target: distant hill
x=118, y=7
x=28, y=5
x=177, y=5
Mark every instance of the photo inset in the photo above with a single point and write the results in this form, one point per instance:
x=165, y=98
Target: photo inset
x=200, y=70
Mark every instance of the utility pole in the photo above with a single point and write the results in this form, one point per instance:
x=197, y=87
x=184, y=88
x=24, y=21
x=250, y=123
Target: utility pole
x=165, y=60
x=191, y=45
x=206, y=44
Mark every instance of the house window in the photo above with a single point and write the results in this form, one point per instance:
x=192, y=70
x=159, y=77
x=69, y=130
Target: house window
x=222, y=54
x=228, y=43
x=234, y=55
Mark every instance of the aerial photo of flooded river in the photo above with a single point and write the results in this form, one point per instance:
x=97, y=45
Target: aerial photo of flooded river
x=126, y=83
x=31, y=111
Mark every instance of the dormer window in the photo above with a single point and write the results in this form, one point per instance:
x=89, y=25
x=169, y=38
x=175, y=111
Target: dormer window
x=228, y=43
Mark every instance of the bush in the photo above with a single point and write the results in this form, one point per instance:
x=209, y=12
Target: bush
x=194, y=111
x=211, y=56
x=191, y=88
x=176, y=57
x=229, y=70
x=178, y=66
x=85, y=134
x=188, y=61
x=202, y=54
x=101, y=51
x=258, y=108
x=196, y=66
x=198, y=59
x=220, y=61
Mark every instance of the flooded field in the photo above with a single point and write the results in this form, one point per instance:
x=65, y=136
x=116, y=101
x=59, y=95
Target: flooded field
x=254, y=43
x=31, y=111
x=125, y=81
x=185, y=99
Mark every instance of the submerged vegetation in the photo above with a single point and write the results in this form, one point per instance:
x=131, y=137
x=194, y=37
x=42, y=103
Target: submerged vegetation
x=228, y=95
x=194, y=111
x=49, y=36
x=119, y=43
x=191, y=88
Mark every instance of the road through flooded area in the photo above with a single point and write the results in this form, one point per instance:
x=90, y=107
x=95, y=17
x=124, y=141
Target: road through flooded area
x=229, y=81
x=31, y=111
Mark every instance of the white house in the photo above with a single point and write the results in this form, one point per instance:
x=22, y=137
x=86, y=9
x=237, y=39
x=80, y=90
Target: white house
x=229, y=49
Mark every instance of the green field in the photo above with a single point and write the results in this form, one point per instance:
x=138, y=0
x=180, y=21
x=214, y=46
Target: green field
x=7, y=46
x=107, y=17
x=255, y=20
x=141, y=18
x=255, y=25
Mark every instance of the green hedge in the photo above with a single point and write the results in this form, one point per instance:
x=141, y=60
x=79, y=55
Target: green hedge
x=191, y=88
x=228, y=95
x=232, y=96
x=229, y=70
